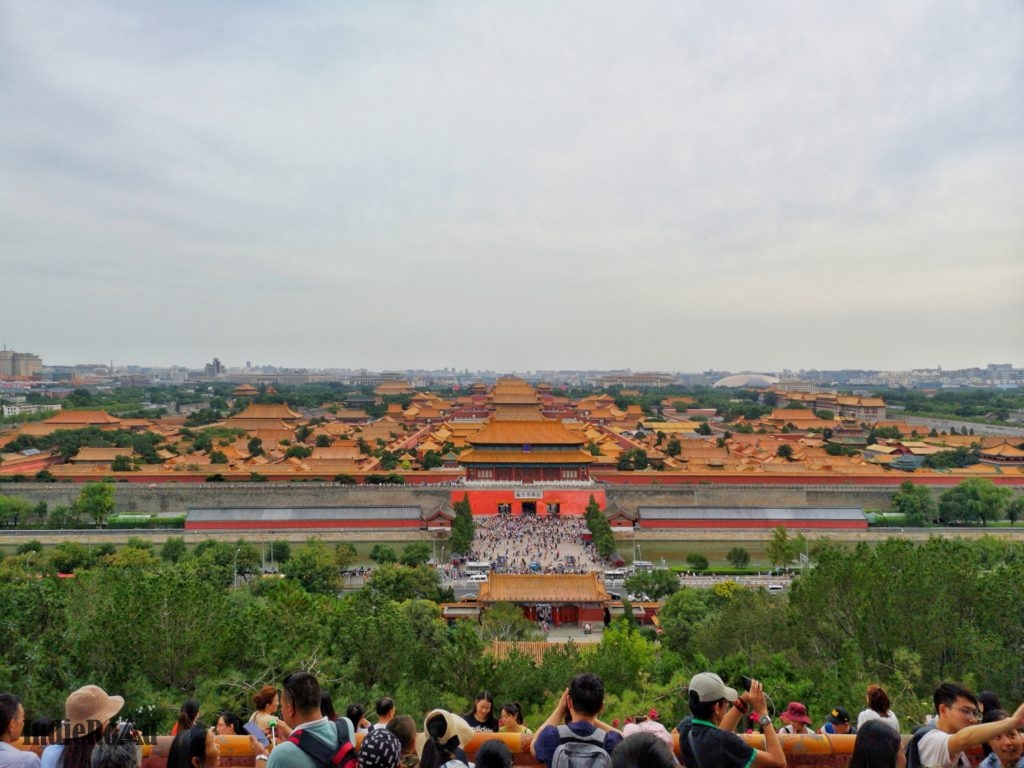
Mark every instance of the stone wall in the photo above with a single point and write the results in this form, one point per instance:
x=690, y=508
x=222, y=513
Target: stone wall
x=176, y=498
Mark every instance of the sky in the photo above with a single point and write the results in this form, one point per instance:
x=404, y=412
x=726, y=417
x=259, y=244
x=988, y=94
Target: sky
x=513, y=186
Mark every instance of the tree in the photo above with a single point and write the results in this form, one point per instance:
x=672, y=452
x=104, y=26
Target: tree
x=697, y=561
x=313, y=566
x=633, y=459
x=255, y=446
x=416, y=553
x=218, y=457
x=785, y=451
x=96, y=501
x=298, y=452
x=782, y=550
x=173, y=549
x=1015, y=509
x=655, y=584
x=738, y=557
x=399, y=582
x=704, y=429
x=382, y=554
x=505, y=621
x=674, y=447
x=122, y=463
x=463, y=528
x=14, y=510
x=977, y=499
x=915, y=502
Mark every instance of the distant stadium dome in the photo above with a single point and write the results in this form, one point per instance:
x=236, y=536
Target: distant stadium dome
x=756, y=380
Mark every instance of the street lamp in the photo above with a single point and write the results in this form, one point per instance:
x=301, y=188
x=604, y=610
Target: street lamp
x=234, y=567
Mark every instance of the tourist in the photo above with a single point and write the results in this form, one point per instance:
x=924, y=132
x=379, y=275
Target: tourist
x=443, y=740
x=116, y=753
x=187, y=716
x=385, y=709
x=878, y=709
x=355, y=713
x=87, y=712
x=877, y=746
x=481, y=716
x=643, y=750
x=708, y=739
x=267, y=701
x=649, y=723
x=300, y=708
x=796, y=719
x=510, y=719
x=327, y=706
x=837, y=722
x=1005, y=749
x=957, y=728
x=194, y=748
x=12, y=723
x=404, y=728
x=575, y=716
x=230, y=724
x=380, y=749
x=494, y=753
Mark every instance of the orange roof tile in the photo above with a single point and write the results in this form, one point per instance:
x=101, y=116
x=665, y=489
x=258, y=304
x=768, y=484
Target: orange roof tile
x=569, y=587
x=482, y=456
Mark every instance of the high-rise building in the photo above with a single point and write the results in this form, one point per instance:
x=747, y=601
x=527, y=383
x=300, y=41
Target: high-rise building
x=19, y=365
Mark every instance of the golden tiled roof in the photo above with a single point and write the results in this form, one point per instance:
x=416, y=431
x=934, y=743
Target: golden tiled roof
x=82, y=418
x=534, y=432
x=267, y=411
x=530, y=588
x=485, y=456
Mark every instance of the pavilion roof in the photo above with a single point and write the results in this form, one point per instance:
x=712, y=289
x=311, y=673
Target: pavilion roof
x=537, y=588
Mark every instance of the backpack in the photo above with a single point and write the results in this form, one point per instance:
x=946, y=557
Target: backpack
x=912, y=752
x=343, y=756
x=575, y=751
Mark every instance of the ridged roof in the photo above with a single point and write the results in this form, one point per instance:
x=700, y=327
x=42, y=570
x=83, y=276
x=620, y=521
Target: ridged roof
x=484, y=456
x=516, y=432
x=530, y=588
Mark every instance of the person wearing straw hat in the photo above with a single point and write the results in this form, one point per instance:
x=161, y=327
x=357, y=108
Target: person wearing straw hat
x=87, y=712
x=12, y=722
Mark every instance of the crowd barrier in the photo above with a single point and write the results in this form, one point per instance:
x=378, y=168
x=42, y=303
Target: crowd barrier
x=812, y=751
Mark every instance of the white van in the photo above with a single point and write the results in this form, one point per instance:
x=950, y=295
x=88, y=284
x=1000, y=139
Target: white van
x=478, y=577
x=774, y=589
x=642, y=565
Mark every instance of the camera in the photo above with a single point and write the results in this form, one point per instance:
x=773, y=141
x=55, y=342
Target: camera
x=745, y=682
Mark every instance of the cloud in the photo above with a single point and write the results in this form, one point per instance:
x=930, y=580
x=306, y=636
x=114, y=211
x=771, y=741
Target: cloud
x=514, y=185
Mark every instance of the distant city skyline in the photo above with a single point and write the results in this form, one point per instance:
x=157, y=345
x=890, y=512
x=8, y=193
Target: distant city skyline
x=514, y=186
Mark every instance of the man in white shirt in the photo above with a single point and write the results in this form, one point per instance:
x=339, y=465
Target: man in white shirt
x=957, y=728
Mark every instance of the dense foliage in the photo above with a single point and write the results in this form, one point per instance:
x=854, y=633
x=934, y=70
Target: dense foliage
x=157, y=627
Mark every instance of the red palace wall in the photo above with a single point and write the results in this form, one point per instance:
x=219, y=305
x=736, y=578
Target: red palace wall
x=717, y=523
x=276, y=525
x=570, y=502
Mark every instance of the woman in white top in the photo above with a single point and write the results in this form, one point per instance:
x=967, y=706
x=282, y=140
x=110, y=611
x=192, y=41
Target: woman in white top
x=878, y=709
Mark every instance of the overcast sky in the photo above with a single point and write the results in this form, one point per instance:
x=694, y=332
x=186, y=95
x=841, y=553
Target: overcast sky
x=513, y=186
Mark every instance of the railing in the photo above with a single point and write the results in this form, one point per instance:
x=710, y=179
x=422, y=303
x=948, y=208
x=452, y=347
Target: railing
x=817, y=751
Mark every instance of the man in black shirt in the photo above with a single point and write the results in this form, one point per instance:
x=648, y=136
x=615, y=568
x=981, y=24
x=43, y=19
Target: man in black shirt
x=708, y=739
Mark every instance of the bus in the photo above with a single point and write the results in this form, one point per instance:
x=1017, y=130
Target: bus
x=477, y=567
x=642, y=565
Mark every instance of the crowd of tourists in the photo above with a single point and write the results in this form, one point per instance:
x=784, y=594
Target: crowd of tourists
x=297, y=726
x=534, y=544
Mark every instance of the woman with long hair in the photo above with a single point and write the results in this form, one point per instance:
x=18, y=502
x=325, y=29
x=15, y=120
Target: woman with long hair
x=878, y=709
x=877, y=746
x=195, y=748
x=444, y=739
x=87, y=713
x=510, y=719
x=481, y=716
x=187, y=716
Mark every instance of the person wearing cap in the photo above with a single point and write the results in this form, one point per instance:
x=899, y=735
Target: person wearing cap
x=796, y=719
x=380, y=749
x=12, y=722
x=838, y=722
x=708, y=740
x=87, y=712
